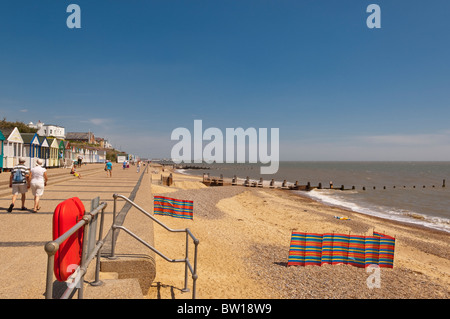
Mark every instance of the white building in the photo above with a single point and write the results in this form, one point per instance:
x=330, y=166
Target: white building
x=49, y=130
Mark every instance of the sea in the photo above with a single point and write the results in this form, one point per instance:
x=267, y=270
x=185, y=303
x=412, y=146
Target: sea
x=412, y=192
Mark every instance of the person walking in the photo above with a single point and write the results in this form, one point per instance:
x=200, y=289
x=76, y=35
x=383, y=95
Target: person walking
x=19, y=181
x=38, y=180
x=108, y=168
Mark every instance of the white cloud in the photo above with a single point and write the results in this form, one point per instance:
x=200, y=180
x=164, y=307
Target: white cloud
x=395, y=147
x=100, y=121
x=408, y=140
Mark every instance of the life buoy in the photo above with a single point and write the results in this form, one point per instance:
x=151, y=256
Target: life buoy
x=68, y=256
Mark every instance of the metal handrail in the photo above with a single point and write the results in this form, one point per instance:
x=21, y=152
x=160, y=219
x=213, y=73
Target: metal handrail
x=52, y=247
x=188, y=265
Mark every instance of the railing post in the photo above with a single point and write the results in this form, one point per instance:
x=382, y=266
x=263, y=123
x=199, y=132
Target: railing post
x=186, y=289
x=194, y=275
x=51, y=248
x=87, y=219
x=49, y=284
x=97, y=281
x=113, y=242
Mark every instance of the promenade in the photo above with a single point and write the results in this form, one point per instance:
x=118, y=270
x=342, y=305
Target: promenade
x=23, y=234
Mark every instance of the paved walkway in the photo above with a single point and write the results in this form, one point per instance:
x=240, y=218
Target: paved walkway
x=23, y=234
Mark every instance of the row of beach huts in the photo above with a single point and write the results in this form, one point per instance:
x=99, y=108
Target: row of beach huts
x=56, y=152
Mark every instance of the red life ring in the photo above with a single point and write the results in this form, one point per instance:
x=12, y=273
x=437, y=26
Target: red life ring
x=68, y=256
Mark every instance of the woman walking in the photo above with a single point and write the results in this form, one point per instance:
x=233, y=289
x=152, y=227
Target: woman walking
x=38, y=178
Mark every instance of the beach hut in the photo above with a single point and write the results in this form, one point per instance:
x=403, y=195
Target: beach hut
x=91, y=155
x=68, y=153
x=87, y=154
x=54, y=148
x=95, y=155
x=101, y=155
x=61, y=152
x=31, y=147
x=82, y=154
x=44, y=151
x=79, y=151
x=75, y=153
x=2, y=138
x=12, y=147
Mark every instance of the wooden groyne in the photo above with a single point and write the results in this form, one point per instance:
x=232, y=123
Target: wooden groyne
x=214, y=181
x=167, y=180
x=247, y=182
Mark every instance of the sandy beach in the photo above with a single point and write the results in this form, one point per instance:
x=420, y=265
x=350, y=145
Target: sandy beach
x=244, y=235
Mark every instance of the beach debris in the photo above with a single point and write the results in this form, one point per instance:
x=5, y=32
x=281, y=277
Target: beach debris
x=341, y=218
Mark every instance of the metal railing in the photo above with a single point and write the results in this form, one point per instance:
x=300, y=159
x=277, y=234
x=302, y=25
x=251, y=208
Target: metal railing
x=90, y=249
x=193, y=270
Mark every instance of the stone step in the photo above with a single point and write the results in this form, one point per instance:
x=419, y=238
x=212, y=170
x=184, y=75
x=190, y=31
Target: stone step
x=142, y=269
x=128, y=288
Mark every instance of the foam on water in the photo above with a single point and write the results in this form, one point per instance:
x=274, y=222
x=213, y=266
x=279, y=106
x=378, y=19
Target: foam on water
x=329, y=197
x=403, y=191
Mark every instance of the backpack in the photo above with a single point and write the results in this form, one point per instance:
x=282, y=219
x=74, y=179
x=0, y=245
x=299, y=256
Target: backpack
x=18, y=177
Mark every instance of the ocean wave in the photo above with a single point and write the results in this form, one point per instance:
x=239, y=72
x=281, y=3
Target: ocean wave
x=182, y=171
x=329, y=197
x=341, y=199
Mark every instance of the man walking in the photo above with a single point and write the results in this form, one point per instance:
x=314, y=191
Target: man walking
x=108, y=168
x=19, y=181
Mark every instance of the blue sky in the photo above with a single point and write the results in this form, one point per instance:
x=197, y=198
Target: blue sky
x=136, y=70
